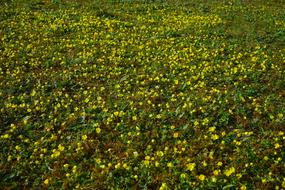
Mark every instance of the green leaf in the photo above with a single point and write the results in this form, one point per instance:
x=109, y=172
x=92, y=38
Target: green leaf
x=229, y=186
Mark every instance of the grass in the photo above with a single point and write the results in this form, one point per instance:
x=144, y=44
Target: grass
x=142, y=95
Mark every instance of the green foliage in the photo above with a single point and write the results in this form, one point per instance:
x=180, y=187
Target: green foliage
x=142, y=94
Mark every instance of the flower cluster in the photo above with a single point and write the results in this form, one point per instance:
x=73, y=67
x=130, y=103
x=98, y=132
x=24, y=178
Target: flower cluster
x=139, y=95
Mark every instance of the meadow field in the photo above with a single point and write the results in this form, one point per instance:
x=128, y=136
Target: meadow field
x=185, y=94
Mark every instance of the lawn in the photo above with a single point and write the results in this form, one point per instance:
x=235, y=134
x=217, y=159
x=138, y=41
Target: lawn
x=186, y=94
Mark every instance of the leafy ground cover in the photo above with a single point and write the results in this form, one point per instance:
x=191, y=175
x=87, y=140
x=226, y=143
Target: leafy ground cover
x=142, y=95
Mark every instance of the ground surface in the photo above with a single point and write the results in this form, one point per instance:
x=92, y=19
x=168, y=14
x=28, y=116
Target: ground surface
x=139, y=95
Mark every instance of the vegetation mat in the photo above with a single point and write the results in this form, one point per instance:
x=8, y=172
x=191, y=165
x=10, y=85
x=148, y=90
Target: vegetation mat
x=142, y=95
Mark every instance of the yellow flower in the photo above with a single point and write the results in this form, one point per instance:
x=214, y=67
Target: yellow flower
x=125, y=166
x=170, y=165
x=55, y=154
x=160, y=153
x=243, y=187
x=276, y=146
x=229, y=171
x=134, y=118
x=283, y=183
x=156, y=163
x=118, y=165
x=216, y=172
x=191, y=166
x=136, y=154
x=280, y=133
x=84, y=137
x=25, y=121
x=74, y=168
x=60, y=147
x=6, y=136
x=46, y=181
x=175, y=135
x=163, y=186
x=201, y=177
x=220, y=163
x=212, y=129
x=215, y=137
x=66, y=165
x=183, y=175
x=146, y=162
x=98, y=130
